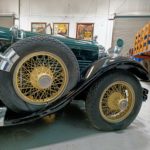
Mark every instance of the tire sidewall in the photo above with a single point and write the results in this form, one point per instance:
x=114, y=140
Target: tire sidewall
x=32, y=45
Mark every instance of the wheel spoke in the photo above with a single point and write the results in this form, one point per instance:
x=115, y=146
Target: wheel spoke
x=111, y=99
x=28, y=77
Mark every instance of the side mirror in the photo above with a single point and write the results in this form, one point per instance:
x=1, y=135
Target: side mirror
x=119, y=46
x=120, y=43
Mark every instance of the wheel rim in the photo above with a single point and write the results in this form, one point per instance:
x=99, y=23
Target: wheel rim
x=40, y=78
x=117, y=102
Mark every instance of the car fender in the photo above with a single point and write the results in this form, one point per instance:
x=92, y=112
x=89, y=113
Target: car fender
x=93, y=72
x=106, y=64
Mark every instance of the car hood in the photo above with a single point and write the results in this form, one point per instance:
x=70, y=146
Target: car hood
x=6, y=34
x=71, y=42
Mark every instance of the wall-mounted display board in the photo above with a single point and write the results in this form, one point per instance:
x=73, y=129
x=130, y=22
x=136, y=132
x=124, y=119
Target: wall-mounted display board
x=39, y=27
x=84, y=31
x=61, y=28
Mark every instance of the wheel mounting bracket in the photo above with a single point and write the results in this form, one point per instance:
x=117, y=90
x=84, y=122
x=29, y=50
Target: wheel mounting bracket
x=7, y=59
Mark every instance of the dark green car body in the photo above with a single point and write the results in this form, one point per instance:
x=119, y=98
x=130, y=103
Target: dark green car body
x=86, y=52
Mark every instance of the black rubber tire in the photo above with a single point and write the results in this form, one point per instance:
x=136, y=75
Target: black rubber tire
x=93, y=100
x=25, y=47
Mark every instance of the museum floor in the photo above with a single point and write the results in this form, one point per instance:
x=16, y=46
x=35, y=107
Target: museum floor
x=72, y=131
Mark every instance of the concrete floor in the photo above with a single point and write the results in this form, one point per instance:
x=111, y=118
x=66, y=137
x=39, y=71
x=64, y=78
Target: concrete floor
x=72, y=131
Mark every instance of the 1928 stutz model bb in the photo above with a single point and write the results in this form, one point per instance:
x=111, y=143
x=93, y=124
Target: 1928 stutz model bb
x=41, y=74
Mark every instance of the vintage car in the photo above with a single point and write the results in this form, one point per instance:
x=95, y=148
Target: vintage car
x=41, y=74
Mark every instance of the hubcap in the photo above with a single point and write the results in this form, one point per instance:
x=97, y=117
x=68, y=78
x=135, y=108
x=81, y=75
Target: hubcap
x=117, y=101
x=123, y=104
x=45, y=81
x=40, y=77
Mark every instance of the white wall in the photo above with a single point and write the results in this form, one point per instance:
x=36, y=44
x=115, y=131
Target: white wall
x=68, y=11
x=73, y=11
x=8, y=7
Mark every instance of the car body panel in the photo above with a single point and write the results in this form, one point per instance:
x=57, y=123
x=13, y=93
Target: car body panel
x=85, y=51
x=100, y=68
x=91, y=68
x=5, y=33
x=111, y=63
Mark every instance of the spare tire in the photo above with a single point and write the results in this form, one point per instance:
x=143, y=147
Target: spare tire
x=46, y=70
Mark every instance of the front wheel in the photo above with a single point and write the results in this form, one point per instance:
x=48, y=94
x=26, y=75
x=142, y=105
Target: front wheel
x=114, y=101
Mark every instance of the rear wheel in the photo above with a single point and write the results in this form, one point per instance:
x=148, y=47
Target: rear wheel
x=114, y=104
x=45, y=71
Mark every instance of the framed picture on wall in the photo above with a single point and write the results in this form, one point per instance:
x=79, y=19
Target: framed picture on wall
x=61, y=28
x=39, y=27
x=84, y=31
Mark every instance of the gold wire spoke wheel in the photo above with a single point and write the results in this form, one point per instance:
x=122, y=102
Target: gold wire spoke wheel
x=117, y=102
x=40, y=77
